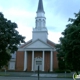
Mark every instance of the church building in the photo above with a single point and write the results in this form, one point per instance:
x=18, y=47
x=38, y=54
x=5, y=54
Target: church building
x=39, y=51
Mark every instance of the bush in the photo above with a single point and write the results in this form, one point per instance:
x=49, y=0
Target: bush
x=68, y=71
x=62, y=71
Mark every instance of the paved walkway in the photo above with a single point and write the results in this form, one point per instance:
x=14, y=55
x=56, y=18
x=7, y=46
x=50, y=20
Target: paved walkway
x=34, y=74
x=45, y=75
x=32, y=78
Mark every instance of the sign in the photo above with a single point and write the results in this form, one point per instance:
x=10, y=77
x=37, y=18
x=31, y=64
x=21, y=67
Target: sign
x=38, y=62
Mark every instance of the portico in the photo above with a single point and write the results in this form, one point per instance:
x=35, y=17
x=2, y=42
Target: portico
x=39, y=58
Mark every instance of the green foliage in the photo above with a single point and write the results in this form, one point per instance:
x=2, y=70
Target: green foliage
x=70, y=43
x=63, y=71
x=9, y=39
x=60, y=55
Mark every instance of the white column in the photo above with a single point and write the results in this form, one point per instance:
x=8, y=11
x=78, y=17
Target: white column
x=51, y=61
x=43, y=61
x=32, y=60
x=25, y=60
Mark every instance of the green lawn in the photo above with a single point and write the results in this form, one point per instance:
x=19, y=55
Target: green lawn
x=4, y=74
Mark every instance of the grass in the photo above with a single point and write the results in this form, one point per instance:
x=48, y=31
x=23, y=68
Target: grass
x=62, y=76
x=4, y=74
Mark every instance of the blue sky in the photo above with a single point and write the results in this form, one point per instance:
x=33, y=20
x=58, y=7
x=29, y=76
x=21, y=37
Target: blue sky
x=23, y=12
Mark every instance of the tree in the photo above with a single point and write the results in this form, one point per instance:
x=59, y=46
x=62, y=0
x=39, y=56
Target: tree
x=71, y=43
x=60, y=55
x=9, y=39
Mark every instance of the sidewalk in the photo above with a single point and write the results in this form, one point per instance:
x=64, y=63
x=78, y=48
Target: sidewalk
x=34, y=74
x=58, y=75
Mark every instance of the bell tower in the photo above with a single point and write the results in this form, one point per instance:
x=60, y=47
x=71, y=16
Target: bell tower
x=40, y=30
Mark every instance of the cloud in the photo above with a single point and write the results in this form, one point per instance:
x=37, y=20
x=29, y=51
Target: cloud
x=59, y=11
x=25, y=30
x=18, y=13
x=20, y=16
x=67, y=8
x=23, y=12
x=1, y=8
x=54, y=36
x=55, y=22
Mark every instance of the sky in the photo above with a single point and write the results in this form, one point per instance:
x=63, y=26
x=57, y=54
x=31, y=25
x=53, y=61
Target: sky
x=23, y=12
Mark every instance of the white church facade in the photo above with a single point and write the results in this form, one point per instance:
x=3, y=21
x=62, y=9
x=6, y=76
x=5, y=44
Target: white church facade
x=39, y=51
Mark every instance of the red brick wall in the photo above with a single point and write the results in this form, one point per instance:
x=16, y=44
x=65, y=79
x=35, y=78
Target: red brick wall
x=37, y=53
x=55, y=61
x=47, y=61
x=20, y=60
x=29, y=60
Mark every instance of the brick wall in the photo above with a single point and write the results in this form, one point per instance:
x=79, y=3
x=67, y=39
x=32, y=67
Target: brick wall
x=37, y=53
x=19, y=60
x=29, y=60
x=47, y=61
x=55, y=61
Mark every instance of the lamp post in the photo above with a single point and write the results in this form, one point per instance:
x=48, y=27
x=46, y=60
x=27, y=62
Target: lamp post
x=38, y=72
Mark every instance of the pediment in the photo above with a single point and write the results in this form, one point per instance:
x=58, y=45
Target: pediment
x=37, y=44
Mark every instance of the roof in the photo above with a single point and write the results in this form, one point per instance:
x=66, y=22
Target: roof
x=30, y=41
x=51, y=43
x=40, y=6
x=23, y=45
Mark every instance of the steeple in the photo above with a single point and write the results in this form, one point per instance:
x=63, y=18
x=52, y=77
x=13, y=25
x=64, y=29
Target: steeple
x=40, y=30
x=40, y=6
x=40, y=18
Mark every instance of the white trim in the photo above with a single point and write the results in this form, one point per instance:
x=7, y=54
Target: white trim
x=40, y=41
x=25, y=61
x=41, y=49
x=11, y=65
x=51, y=61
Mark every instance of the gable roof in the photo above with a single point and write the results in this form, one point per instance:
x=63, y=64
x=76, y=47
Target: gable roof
x=38, y=44
x=23, y=45
x=51, y=43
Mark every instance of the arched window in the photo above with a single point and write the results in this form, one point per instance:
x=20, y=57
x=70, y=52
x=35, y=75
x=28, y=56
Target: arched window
x=39, y=22
x=43, y=23
x=36, y=23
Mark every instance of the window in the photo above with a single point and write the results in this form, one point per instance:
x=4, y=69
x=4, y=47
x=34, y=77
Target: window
x=13, y=56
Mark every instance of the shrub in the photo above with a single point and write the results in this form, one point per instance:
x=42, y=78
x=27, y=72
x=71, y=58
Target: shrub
x=62, y=71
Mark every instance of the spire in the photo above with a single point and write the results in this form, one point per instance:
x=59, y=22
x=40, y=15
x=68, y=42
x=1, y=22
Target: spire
x=40, y=30
x=40, y=6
